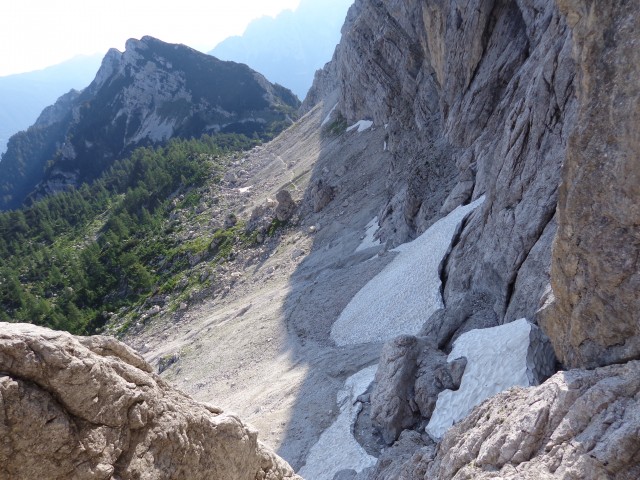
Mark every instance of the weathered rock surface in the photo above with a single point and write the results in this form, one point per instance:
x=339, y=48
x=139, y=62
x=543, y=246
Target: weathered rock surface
x=476, y=98
x=595, y=319
x=321, y=194
x=411, y=374
x=286, y=206
x=90, y=408
x=579, y=424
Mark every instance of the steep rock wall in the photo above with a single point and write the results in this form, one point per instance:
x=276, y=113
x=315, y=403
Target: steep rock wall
x=477, y=98
x=595, y=319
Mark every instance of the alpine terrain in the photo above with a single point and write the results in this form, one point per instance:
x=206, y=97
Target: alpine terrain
x=431, y=274
x=289, y=48
x=150, y=93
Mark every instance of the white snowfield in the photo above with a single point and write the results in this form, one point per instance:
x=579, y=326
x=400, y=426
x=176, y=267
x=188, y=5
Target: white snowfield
x=398, y=300
x=403, y=296
x=361, y=125
x=498, y=358
x=337, y=449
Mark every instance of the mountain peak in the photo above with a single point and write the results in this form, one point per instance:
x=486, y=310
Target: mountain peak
x=151, y=92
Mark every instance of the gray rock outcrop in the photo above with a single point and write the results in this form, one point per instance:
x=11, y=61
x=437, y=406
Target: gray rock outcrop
x=577, y=425
x=90, y=408
x=286, y=206
x=476, y=98
x=411, y=374
x=595, y=318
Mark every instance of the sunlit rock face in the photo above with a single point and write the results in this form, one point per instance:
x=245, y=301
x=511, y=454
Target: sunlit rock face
x=90, y=408
x=595, y=318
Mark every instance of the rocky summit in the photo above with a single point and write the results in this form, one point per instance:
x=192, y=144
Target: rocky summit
x=151, y=92
x=432, y=274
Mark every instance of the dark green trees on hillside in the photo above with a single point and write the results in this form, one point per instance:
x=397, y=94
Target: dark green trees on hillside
x=68, y=258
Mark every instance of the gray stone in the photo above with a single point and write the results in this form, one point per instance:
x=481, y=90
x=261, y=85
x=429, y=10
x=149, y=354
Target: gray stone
x=411, y=373
x=460, y=194
x=286, y=206
x=90, y=408
x=321, y=195
x=391, y=410
x=579, y=424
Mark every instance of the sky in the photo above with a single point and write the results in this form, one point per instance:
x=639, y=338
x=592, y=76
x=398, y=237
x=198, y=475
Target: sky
x=35, y=34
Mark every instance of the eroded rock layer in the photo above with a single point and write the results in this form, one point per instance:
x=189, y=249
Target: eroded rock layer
x=595, y=319
x=477, y=98
x=577, y=425
x=90, y=408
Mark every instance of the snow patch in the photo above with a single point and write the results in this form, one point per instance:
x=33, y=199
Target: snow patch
x=328, y=117
x=368, y=241
x=361, y=125
x=337, y=449
x=406, y=292
x=496, y=360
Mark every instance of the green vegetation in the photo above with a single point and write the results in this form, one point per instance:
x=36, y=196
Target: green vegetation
x=68, y=258
x=336, y=128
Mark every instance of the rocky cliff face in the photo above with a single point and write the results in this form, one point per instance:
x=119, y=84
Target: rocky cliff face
x=150, y=93
x=476, y=99
x=535, y=105
x=595, y=319
x=90, y=408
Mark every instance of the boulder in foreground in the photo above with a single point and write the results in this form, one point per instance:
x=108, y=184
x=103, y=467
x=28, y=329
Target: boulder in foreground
x=90, y=408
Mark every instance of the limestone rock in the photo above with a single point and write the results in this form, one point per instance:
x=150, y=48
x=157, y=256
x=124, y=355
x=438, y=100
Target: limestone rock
x=286, y=206
x=411, y=374
x=89, y=408
x=321, y=195
x=391, y=410
x=578, y=424
x=476, y=98
x=595, y=319
x=459, y=195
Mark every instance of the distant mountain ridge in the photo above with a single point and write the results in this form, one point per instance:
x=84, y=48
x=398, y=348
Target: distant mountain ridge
x=150, y=93
x=289, y=49
x=24, y=95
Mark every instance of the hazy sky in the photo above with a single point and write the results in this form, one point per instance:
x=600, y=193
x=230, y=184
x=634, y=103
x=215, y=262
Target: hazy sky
x=38, y=33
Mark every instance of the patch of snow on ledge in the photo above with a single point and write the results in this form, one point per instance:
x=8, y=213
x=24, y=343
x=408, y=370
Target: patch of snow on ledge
x=337, y=449
x=406, y=292
x=328, y=117
x=368, y=241
x=361, y=125
x=496, y=361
